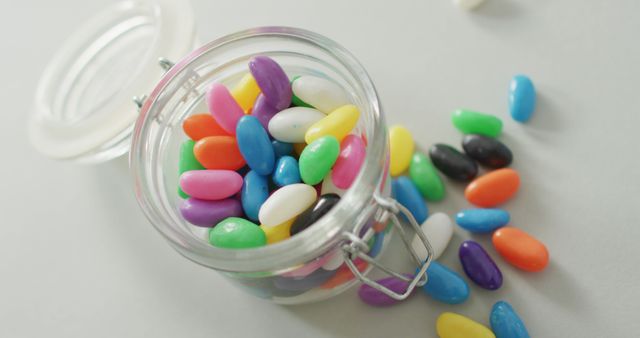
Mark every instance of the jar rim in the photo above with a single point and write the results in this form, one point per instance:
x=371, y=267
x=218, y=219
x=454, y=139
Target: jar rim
x=353, y=207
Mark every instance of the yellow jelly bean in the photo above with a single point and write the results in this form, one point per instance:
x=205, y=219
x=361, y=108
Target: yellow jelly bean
x=338, y=123
x=453, y=325
x=246, y=92
x=298, y=148
x=402, y=146
x=279, y=232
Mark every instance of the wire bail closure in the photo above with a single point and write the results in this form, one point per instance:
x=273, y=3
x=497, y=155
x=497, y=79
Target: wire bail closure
x=357, y=247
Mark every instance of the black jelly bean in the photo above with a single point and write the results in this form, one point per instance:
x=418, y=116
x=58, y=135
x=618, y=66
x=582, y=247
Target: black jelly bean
x=453, y=163
x=487, y=151
x=314, y=212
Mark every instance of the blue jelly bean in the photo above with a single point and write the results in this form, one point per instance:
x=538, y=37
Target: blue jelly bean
x=255, y=145
x=377, y=244
x=522, y=98
x=445, y=285
x=482, y=220
x=407, y=194
x=255, y=190
x=286, y=171
x=281, y=148
x=506, y=323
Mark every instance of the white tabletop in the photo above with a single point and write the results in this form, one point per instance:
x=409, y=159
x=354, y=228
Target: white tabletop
x=78, y=258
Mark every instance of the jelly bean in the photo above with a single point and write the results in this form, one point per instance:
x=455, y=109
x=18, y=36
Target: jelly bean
x=290, y=125
x=374, y=297
x=479, y=266
x=408, y=195
x=520, y=249
x=401, y=147
x=286, y=171
x=286, y=203
x=347, y=167
x=209, y=213
x=424, y=176
x=255, y=191
x=255, y=145
x=263, y=111
x=281, y=148
x=296, y=101
x=471, y=122
x=211, y=184
x=445, y=285
x=309, y=282
x=453, y=325
x=202, y=125
x=522, y=98
x=344, y=274
x=487, y=151
x=219, y=152
x=314, y=212
x=272, y=80
x=376, y=247
x=505, y=322
x=328, y=187
x=317, y=159
x=338, y=124
x=336, y=259
x=468, y=4
x=453, y=163
x=246, y=92
x=237, y=233
x=223, y=107
x=321, y=93
x=482, y=220
x=493, y=188
x=187, y=162
x=279, y=232
x=438, y=229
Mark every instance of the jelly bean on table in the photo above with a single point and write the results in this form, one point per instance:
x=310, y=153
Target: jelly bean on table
x=520, y=249
x=493, y=188
x=445, y=285
x=479, y=266
x=438, y=228
x=488, y=151
x=401, y=147
x=482, y=220
x=424, y=176
x=522, y=98
x=506, y=323
x=471, y=122
x=453, y=325
x=406, y=193
x=453, y=163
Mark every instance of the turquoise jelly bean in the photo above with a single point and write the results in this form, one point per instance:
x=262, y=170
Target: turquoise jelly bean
x=407, y=194
x=445, y=285
x=286, y=171
x=506, y=323
x=281, y=148
x=255, y=145
x=522, y=98
x=255, y=190
x=482, y=220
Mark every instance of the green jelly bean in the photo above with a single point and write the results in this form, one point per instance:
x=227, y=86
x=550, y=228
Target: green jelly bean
x=237, y=233
x=317, y=159
x=424, y=176
x=471, y=122
x=187, y=162
x=296, y=101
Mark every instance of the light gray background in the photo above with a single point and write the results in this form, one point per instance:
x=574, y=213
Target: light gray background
x=78, y=259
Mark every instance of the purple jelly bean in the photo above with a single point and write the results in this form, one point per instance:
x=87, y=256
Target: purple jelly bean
x=263, y=111
x=272, y=80
x=374, y=297
x=479, y=266
x=209, y=213
x=308, y=282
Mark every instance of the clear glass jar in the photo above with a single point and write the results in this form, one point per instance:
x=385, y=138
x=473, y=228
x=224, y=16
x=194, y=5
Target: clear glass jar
x=289, y=271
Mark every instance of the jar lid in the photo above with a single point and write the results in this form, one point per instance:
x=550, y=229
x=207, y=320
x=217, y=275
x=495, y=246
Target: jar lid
x=84, y=107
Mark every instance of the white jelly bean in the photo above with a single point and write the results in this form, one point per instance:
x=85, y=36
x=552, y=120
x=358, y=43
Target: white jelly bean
x=286, y=203
x=320, y=93
x=291, y=124
x=336, y=260
x=439, y=229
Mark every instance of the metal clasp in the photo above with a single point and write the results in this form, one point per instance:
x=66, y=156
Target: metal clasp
x=355, y=246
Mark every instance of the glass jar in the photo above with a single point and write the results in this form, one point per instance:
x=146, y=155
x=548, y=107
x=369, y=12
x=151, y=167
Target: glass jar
x=328, y=257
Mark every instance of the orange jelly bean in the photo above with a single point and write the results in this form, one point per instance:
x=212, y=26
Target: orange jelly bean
x=200, y=126
x=344, y=275
x=493, y=188
x=219, y=152
x=520, y=249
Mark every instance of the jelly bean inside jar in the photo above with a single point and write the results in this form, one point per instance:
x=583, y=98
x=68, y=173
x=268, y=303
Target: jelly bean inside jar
x=265, y=122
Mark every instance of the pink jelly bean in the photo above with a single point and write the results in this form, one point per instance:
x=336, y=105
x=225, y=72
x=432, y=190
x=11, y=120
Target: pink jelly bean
x=347, y=167
x=308, y=268
x=211, y=184
x=224, y=107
